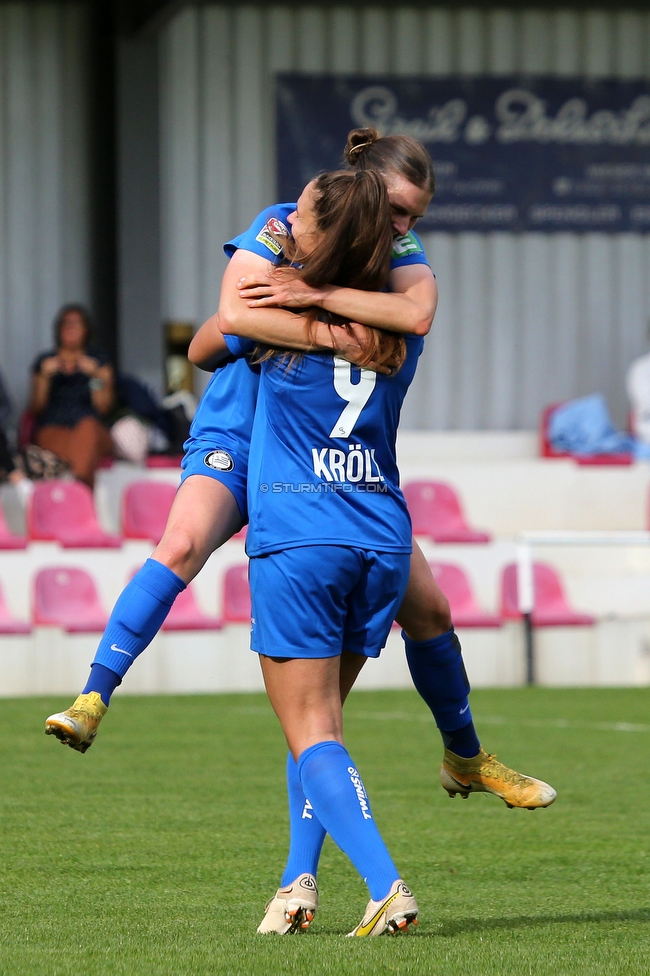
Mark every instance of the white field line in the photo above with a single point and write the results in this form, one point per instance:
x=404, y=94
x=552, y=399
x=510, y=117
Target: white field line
x=531, y=723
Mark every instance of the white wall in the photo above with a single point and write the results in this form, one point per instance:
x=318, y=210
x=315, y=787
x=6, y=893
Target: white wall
x=524, y=320
x=44, y=187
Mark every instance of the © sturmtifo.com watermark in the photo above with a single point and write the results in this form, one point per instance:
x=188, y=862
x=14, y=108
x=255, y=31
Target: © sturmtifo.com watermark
x=324, y=488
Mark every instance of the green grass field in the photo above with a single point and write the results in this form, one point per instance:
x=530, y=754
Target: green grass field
x=155, y=852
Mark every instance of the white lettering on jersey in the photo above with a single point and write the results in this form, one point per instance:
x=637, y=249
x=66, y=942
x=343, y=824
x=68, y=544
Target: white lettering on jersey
x=356, y=465
x=356, y=394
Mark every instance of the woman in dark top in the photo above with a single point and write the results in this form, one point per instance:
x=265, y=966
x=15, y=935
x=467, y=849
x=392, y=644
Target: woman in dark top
x=71, y=391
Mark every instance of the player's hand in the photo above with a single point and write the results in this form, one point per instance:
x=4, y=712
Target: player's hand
x=50, y=366
x=260, y=291
x=351, y=343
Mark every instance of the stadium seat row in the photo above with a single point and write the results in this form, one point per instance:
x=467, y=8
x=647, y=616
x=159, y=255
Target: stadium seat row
x=67, y=597
x=64, y=512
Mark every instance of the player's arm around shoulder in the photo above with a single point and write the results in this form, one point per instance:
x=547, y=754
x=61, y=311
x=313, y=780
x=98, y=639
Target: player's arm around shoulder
x=208, y=347
x=417, y=284
x=235, y=317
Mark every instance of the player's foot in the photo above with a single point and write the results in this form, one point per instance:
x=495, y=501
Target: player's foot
x=292, y=909
x=77, y=726
x=393, y=915
x=485, y=774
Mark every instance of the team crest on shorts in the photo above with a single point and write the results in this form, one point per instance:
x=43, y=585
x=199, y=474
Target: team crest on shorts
x=219, y=460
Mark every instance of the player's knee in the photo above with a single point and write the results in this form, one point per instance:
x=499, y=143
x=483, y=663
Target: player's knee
x=179, y=551
x=428, y=619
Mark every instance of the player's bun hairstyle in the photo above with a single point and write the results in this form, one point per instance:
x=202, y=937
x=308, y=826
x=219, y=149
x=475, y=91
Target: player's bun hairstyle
x=367, y=150
x=355, y=240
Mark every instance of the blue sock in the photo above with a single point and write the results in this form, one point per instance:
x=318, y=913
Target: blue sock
x=331, y=781
x=440, y=678
x=103, y=681
x=307, y=832
x=138, y=616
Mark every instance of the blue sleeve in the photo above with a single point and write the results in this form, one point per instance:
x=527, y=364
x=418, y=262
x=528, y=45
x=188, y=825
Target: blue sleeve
x=264, y=236
x=239, y=346
x=407, y=250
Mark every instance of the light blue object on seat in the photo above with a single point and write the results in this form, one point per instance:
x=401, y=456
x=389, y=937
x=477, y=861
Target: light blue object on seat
x=584, y=427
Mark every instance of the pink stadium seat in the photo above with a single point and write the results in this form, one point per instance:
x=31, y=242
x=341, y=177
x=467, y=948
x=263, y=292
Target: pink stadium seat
x=63, y=511
x=8, y=623
x=145, y=508
x=551, y=607
x=67, y=597
x=436, y=511
x=7, y=539
x=454, y=583
x=164, y=460
x=547, y=450
x=236, y=596
x=185, y=614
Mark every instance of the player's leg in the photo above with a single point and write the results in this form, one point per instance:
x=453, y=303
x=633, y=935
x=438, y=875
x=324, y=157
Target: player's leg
x=435, y=659
x=306, y=698
x=204, y=515
x=306, y=833
x=436, y=664
x=306, y=694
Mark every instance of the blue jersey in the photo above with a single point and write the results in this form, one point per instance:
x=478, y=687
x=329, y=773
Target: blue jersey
x=264, y=237
x=322, y=468
x=225, y=413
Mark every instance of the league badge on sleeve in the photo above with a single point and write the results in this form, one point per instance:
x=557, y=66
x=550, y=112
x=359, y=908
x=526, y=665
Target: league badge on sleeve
x=407, y=244
x=271, y=235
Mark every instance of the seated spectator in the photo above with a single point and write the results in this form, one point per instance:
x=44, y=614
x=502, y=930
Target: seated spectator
x=72, y=389
x=637, y=382
x=9, y=471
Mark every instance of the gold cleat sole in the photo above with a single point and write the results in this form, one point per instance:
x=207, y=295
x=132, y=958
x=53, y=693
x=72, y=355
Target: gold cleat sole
x=67, y=738
x=455, y=788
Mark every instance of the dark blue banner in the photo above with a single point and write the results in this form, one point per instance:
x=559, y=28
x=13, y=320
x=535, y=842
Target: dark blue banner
x=510, y=153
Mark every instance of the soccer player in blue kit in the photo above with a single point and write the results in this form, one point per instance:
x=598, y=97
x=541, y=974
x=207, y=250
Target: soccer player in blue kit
x=330, y=541
x=210, y=505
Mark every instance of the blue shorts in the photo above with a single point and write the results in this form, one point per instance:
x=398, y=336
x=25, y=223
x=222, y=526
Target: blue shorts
x=317, y=601
x=221, y=463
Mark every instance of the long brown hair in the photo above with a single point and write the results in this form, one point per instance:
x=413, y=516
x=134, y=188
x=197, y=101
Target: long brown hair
x=367, y=150
x=352, y=215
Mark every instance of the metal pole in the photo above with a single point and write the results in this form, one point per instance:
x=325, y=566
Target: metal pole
x=526, y=599
x=530, y=649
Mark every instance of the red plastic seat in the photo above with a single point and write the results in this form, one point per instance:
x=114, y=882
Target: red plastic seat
x=465, y=611
x=551, y=608
x=185, y=614
x=436, y=511
x=145, y=509
x=63, y=511
x=67, y=597
x=7, y=539
x=8, y=623
x=547, y=450
x=164, y=460
x=236, y=596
